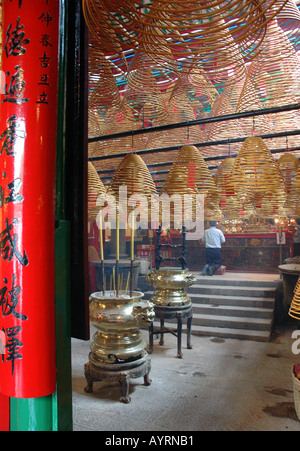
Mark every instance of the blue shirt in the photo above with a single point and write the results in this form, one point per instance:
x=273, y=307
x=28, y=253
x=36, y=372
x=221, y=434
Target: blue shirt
x=213, y=238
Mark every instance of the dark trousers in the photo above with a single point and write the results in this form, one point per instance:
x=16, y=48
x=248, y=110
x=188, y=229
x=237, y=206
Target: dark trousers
x=213, y=257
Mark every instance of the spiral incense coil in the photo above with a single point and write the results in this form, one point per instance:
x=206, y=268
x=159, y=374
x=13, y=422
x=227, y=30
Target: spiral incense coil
x=273, y=77
x=288, y=165
x=186, y=28
x=223, y=105
x=294, y=310
x=232, y=204
x=103, y=87
x=143, y=93
x=294, y=195
x=192, y=172
x=289, y=21
x=133, y=173
x=189, y=175
x=96, y=128
x=256, y=173
x=95, y=189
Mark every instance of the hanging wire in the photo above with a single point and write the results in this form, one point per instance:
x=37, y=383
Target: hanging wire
x=187, y=134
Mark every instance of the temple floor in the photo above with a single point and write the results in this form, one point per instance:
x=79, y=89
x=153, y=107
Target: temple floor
x=219, y=385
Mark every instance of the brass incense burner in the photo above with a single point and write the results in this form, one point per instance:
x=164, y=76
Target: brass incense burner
x=170, y=286
x=118, y=319
x=118, y=351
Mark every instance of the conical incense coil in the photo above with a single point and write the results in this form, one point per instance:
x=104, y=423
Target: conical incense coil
x=184, y=28
x=135, y=176
x=104, y=92
x=294, y=195
x=232, y=205
x=95, y=128
x=189, y=175
x=288, y=165
x=192, y=172
x=143, y=93
x=289, y=21
x=95, y=189
x=117, y=121
x=273, y=77
x=294, y=310
x=256, y=172
x=225, y=104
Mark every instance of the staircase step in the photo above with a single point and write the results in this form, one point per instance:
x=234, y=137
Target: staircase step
x=232, y=322
x=229, y=310
x=239, y=334
x=228, y=290
x=230, y=307
x=216, y=300
x=221, y=280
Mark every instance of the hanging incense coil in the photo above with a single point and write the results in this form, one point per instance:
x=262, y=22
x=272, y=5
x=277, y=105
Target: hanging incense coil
x=225, y=104
x=190, y=175
x=289, y=21
x=96, y=128
x=101, y=29
x=104, y=92
x=117, y=121
x=232, y=204
x=256, y=173
x=294, y=310
x=273, y=77
x=288, y=165
x=185, y=28
x=133, y=174
x=143, y=93
x=294, y=195
x=95, y=189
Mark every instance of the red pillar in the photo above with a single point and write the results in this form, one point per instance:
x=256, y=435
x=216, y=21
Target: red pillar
x=4, y=413
x=27, y=196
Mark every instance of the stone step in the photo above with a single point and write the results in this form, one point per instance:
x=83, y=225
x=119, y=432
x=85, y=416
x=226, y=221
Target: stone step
x=229, y=310
x=235, y=281
x=229, y=290
x=230, y=307
x=232, y=322
x=238, y=334
x=217, y=300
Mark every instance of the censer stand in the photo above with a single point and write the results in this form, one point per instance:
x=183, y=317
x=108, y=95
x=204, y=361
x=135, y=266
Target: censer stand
x=170, y=297
x=118, y=351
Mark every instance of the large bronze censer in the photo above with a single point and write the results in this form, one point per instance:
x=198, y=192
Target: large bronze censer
x=170, y=298
x=118, y=350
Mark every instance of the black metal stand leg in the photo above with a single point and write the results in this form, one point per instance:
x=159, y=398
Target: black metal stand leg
x=162, y=323
x=189, y=330
x=147, y=380
x=124, y=382
x=179, y=331
x=89, y=387
x=151, y=331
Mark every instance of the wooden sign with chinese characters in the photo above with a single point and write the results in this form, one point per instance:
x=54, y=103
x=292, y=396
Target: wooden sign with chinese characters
x=27, y=196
